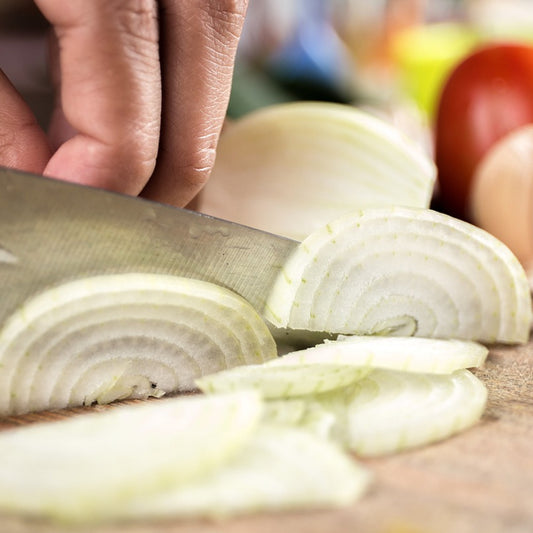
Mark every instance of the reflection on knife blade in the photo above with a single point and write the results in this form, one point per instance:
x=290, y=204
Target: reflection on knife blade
x=52, y=231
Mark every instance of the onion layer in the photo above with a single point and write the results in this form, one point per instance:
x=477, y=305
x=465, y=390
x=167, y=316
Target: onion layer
x=283, y=381
x=335, y=364
x=391, y=411
x=413, y=354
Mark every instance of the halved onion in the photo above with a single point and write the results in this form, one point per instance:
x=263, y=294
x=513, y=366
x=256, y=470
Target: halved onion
x=280, y=468
x=124, y=336
x=404, y=269
x=390, y=411
x=81, y=469
x=291, y=168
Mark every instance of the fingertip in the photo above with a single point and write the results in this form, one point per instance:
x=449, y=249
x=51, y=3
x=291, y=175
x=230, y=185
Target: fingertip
x=88, y=161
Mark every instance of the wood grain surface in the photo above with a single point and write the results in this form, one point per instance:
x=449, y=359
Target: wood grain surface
x=479, y=481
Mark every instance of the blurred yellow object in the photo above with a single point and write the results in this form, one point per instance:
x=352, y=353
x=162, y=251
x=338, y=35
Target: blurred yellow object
x=425, y=54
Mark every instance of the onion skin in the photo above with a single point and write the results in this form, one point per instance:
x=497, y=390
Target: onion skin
x=502, y=193
x=488, y=95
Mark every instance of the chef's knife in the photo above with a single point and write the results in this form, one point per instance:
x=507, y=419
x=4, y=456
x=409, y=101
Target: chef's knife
x=52, y=231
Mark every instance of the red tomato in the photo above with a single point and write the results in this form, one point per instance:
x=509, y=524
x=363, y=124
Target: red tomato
x=488, y=94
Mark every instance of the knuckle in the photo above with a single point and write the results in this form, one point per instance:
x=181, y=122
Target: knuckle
x=197, y=170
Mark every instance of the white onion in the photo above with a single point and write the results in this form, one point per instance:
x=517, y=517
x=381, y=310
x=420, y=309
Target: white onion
x=382, y=269
x=123, y=336
x=80, y=469
x=300, y=412
x=413, y=354
x=283, y=381
x=291, y=168
x=390, y=411
x=335, y=364
x=280, y=468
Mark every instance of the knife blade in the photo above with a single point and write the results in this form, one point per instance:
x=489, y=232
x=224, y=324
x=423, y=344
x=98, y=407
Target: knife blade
x=52, y=231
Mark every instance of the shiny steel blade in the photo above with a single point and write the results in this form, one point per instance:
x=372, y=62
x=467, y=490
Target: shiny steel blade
x=52, y=231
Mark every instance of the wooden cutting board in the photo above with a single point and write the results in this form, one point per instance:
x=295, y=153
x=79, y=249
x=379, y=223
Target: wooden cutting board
x=479, y=481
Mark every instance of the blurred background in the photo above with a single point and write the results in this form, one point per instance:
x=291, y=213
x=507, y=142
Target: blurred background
x=387, y=54
x=390, y=55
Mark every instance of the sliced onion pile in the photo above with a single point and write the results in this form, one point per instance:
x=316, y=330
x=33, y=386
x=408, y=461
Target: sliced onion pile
x=405, y=270
x=81, y=468
x=297, y=166
x=123, y=336
x=200, y=456
x=406, y=291
x=380, y=410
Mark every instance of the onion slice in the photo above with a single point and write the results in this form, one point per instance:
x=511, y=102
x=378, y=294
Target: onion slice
x=80, y=469
x=413, y=354
x=280, y=468
x=390, y=411
x=335, y=364
x=123, y=336
x=283, y=381
x=299, y=165
x=404, y=269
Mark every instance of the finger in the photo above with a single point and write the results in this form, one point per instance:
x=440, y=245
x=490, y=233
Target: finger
x=199, y=39
x=23, y=144
x=109, y=91
x=59, y=129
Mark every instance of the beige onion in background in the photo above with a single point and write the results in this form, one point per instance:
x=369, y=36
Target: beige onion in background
x=501, y=201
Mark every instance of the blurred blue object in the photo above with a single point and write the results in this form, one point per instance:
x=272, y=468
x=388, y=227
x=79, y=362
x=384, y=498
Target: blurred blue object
x=290, y=50
x=313, y=51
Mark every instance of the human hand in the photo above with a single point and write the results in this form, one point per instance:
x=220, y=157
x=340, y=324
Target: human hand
x=142, y=90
